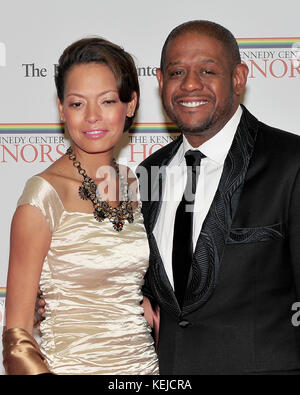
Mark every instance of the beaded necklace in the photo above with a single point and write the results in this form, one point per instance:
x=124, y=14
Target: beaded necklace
x=102, y=209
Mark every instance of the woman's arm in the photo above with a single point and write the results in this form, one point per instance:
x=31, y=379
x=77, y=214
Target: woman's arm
x=29, y=244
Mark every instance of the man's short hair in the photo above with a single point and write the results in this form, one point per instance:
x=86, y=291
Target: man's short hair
x=210, y=29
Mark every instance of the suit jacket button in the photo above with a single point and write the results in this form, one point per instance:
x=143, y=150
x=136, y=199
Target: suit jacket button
x=184, y=323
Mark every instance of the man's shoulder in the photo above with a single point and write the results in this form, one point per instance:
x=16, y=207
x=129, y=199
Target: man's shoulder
x=271, y=138
x=279, y=139
x=279, y=133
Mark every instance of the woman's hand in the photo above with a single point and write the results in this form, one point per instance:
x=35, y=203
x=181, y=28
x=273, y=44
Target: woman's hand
x=40, y=307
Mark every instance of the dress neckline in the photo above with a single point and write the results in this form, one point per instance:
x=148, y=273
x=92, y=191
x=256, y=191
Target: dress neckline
x=136, y=210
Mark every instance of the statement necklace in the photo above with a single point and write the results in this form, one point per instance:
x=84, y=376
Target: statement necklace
x=102, y=209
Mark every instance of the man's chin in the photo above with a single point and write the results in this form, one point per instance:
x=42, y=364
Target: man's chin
x=196, y=130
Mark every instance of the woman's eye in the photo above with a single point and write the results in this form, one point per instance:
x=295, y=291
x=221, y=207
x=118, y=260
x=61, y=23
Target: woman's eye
x=109, y=101
x=75, y=104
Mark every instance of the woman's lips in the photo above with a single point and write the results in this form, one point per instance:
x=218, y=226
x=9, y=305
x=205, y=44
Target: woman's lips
x=95, y=134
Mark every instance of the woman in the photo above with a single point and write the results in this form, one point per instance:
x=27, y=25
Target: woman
x=85, y=245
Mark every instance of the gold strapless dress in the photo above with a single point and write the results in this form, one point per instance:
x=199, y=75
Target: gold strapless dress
x=91, y=280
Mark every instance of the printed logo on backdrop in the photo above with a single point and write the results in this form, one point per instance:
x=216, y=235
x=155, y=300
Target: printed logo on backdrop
x=275, y=58
x=35, y=70
x=265, y=57
x=143, y=71
x=45, y=143
x=2, y=55
x=296, y=50
x=31, y=143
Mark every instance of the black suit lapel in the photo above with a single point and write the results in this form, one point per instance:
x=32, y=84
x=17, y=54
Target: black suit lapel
x=211, y=243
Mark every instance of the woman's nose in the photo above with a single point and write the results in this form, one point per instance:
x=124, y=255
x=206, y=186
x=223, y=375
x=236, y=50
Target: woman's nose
x=93, y=113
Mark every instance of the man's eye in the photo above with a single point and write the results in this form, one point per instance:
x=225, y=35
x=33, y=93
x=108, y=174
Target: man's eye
x=109, y=101
x=207, y=72
x=176, y=73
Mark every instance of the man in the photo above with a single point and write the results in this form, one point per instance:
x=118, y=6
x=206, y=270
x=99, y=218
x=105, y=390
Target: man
x=225, y=262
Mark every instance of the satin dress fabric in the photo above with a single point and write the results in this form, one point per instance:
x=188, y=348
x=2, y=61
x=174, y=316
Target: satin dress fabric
x=91, y=281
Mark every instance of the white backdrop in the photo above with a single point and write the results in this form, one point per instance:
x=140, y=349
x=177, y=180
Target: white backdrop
x=33, y=35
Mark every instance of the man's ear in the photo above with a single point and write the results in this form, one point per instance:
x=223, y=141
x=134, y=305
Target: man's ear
x=239, y=78
x=160, y=79
x=60, y=110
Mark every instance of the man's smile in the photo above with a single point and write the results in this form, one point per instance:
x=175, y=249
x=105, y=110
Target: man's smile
x=192, y=104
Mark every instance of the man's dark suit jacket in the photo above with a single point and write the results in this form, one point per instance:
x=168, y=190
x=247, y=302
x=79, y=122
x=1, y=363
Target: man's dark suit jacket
x=245, y=273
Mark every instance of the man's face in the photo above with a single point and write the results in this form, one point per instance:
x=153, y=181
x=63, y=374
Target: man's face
x=199, y=86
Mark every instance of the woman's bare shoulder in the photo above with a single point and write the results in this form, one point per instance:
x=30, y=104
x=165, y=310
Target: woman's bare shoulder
x=58, y=176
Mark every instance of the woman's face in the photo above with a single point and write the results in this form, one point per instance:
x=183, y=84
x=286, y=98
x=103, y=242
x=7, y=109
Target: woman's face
x=92, y=109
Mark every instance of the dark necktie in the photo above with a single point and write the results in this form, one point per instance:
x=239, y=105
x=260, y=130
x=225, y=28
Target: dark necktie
x=182, y=253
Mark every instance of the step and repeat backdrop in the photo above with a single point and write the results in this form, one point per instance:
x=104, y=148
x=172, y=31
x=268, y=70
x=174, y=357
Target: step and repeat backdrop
x=33, y=35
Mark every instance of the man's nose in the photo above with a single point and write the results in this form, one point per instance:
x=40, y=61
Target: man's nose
x=192, y=81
